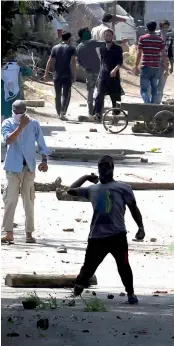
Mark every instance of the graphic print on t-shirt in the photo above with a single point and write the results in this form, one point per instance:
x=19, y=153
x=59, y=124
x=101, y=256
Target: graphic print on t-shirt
x=104, y=202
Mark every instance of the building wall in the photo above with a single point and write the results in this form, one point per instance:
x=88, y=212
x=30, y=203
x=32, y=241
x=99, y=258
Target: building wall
x=159, y=10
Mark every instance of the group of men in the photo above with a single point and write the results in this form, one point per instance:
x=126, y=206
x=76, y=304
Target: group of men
x=101, y=56
x=101, y=59
x=109, y=198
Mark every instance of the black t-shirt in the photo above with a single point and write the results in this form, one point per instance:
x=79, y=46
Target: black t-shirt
x=62, y=53
x=110, y=58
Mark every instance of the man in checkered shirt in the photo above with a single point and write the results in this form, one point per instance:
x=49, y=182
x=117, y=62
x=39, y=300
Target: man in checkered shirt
x=168, y=37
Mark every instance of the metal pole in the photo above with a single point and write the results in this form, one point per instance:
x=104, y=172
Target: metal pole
x=114, y=14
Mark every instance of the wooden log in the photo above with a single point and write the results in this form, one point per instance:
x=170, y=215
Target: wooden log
x=61, y=190
x=35, y=103
x=43, y=281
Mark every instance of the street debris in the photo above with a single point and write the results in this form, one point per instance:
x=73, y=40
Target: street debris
x=122, y=294
x=92, y=130
x=94, y=305
x=68, y=229
x=12, y=335
x=43, y=324
x=153, y=240
x=110, y=296
x=62, y=249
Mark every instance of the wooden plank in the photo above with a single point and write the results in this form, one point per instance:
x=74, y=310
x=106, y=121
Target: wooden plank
x=43, y=281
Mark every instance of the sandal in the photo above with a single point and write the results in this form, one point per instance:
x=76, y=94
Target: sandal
x=30, y=240
x=5, y=240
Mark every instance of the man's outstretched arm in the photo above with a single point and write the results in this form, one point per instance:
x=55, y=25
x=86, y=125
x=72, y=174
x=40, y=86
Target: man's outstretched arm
x=135, y=212
x=74, y=188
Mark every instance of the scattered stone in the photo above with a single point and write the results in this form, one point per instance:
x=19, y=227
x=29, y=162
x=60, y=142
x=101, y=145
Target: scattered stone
x=78, y=220
x=92, y=130
x=66, y=262
x=144, y=160
x=94, y=293
x=43, y=323
x=29, y=304
x=85, y=221
x=123, y=333
x=160, y=292
x=27, y=336
x=122, y=294
x=87, y=291
x=10, y=320
x=62, y=249
x=85, y=331
x=68, y=229
x=110, y=296
x=155, y=295
x=12, y=335
x=153, y=240
x=34, y=273
x=136, y=336
x=87, y=137
x=18, y=257
x=119, y=318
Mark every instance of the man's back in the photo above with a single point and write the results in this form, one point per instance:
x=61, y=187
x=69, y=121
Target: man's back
x=98, y=32
x=151, y=45
x=87, y=55
x=62, y=53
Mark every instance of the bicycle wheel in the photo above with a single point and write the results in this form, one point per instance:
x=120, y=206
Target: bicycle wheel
x=115, y=120
x=161, y=123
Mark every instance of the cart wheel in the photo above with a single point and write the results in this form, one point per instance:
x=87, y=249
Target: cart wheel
x=161, y=123
x=115, y=120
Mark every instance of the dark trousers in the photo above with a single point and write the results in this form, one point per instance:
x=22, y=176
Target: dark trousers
x=97, y=250
x=62, y=86
x=99, y=102
x=108, y=86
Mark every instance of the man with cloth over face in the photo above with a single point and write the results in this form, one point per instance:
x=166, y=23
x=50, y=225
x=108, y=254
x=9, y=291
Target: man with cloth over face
x=109, y=76
x=109, y=199
x=20, y=132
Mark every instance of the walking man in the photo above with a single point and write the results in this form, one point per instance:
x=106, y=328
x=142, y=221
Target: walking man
x=88, y=58
x=151, y=50
x=107, y=23
x=20, y=133
x=168, y=38
x=64, y=57
x=109, y=199
x=109, y=76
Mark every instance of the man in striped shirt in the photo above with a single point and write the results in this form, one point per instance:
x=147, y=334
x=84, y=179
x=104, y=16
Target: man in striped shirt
x=151, y=49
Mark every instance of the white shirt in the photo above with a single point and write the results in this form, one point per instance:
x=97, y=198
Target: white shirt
x=98, y=32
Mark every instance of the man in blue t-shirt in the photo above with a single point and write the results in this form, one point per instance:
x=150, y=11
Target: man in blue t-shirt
x=107, y=234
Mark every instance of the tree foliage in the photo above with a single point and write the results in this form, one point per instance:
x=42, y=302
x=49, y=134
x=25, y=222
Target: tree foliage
x=10, y=8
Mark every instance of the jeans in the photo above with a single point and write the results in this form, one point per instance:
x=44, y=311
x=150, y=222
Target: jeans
x=91, y=80
x=161, y=85
x=63, y=84
x=149, y=76
x=97, y=250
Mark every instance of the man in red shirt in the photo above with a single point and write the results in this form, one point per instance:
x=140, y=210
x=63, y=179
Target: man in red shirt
x=151, y=49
